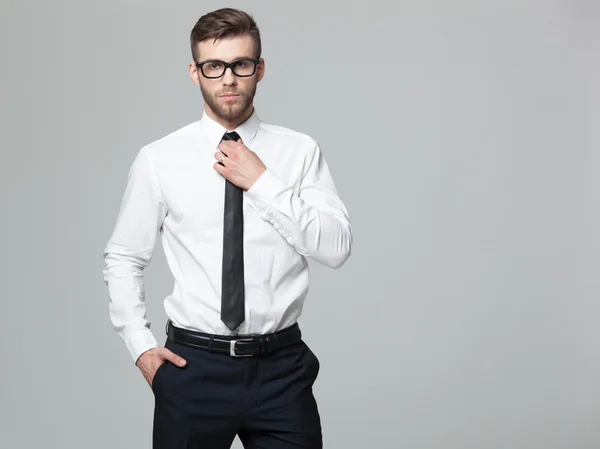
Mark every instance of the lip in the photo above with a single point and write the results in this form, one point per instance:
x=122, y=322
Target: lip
x=229, y=96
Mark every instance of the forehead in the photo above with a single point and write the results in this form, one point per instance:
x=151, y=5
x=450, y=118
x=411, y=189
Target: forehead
x=226, y=49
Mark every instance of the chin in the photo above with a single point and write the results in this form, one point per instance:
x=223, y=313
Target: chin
x=232, y=112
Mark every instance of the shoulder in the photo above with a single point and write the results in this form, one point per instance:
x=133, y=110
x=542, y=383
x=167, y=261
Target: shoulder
x=177, y=139
x=288, y=135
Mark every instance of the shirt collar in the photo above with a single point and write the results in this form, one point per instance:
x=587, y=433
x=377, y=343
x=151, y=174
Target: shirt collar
x=214, y=131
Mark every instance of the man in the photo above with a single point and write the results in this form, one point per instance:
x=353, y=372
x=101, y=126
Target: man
x=241, y=206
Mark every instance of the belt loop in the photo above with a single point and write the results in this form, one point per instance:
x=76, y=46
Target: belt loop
x=210, y=343
x=264, y=343
x=274, y=345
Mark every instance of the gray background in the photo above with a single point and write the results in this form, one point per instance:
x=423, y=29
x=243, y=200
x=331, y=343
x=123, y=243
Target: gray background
x=461, y=137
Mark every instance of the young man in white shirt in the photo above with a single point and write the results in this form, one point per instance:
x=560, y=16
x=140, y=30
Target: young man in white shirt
x=240, y=205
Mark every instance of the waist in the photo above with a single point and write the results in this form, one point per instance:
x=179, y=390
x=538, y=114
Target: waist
x=235, y=345
x=265, y=313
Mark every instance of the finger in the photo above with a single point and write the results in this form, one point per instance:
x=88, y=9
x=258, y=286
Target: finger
x=226, y=146
x=229, y=146
x=222, y=170
x=220, y=157
x=173, y=358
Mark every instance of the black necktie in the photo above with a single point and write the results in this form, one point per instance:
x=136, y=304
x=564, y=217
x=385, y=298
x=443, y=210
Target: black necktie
x=232, y=286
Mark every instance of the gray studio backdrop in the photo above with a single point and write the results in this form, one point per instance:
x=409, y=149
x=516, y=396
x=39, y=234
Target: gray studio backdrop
x=461, y=137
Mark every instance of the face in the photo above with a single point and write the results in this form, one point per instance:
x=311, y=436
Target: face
x=228, y=99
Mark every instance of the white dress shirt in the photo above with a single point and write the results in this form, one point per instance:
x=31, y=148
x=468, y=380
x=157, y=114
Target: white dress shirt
x=292, y=213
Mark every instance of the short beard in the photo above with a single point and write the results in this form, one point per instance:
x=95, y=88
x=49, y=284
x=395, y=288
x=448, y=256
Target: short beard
x=230, y=113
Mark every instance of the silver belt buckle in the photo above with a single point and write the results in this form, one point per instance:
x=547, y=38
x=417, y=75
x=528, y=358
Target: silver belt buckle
x=232, y=343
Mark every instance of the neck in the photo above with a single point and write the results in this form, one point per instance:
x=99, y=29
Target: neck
x=230, y=124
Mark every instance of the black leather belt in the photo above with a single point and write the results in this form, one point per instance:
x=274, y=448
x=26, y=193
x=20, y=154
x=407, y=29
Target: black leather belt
x=235, y=345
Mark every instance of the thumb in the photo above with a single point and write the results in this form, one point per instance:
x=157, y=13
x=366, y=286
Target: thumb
x=173, y=358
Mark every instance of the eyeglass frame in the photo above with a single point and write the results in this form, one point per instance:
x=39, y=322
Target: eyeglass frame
x=228, y=65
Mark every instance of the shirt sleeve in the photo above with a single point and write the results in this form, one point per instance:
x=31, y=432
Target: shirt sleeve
x=129, y=251
x=315, y=222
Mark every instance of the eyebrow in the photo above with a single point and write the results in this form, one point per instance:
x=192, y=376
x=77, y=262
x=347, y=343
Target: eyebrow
x=237, y=57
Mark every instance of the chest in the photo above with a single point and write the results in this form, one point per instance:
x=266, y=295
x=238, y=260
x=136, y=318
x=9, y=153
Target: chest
x=194, y=192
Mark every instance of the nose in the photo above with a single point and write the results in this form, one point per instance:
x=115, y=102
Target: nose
x=229, y=78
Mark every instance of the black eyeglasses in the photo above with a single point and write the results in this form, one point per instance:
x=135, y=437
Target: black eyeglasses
x=215, y=68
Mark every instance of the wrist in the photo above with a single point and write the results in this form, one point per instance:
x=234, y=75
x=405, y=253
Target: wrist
x=261, y=171
x=265, y=190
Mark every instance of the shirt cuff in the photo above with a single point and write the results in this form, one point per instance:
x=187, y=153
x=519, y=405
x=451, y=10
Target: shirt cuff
x=265, y=190
x=139, y=342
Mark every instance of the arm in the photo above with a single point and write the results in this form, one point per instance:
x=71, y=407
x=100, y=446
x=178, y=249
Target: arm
x=129, y=251
x=315, y=222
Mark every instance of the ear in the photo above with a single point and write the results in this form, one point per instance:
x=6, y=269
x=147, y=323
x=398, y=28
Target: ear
x=194, y=73
x=260, y=70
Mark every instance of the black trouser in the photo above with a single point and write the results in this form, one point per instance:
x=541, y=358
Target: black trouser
x=267, y=400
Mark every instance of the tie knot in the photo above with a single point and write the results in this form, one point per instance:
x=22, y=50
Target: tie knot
x=231, y=136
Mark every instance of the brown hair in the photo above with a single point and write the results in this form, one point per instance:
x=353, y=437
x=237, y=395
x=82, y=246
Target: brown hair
x=222, y=24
